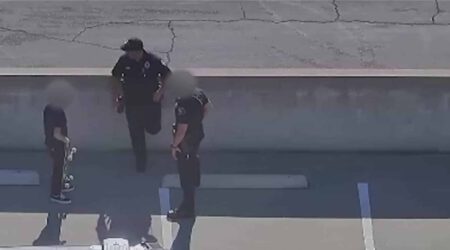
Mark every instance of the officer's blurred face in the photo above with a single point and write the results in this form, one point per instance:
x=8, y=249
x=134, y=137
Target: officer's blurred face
x=135, y=54
x=182, y=83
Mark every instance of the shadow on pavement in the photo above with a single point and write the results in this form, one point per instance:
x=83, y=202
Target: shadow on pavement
x=108, y=185
x=182, y=240
x=51, y=233
x=133, y=227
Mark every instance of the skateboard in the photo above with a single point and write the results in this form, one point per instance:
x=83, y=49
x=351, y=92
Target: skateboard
x=67, y=177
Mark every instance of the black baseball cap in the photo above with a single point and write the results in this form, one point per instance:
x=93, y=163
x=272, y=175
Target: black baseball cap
x=133, y=44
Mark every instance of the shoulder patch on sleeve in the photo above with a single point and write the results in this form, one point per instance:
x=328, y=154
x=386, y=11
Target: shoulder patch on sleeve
x=181, y=110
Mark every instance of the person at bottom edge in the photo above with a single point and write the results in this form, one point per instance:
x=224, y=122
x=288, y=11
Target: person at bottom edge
x=190, y=109
x=56, y=137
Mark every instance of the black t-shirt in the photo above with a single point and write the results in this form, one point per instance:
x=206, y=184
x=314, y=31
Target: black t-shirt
x=140, y=79
x=190, y=110
x=54, y=116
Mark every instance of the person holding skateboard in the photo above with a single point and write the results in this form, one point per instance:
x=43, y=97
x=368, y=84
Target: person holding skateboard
x=60, y=95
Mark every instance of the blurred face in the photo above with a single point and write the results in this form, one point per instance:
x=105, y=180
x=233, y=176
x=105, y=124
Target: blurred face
x=60, y=93
x=182, y=83
x=135, y=54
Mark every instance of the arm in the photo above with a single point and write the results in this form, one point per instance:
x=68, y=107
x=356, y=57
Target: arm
x=163, y=73
x=59, y=136
x=206, y=104
x=179, y=135
x=205, y=110
x=116, y=88
x=117, y=72
x=178, y=138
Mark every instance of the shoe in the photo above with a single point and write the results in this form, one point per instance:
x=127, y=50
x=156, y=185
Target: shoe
x=67, y=187
x=61, y=199
x=178, y=214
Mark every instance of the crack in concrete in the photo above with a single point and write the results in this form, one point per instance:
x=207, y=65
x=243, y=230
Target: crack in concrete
x=305, y=36
x=172, y=44
x=275, y=20
x=308, y=61
x=438, y=11
x=392, y=23
x=84, y=30
x=336, y=9
x=56, y=38
x=244, y=14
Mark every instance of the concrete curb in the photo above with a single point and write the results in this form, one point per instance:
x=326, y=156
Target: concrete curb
x=242, y=181
x=241, y=72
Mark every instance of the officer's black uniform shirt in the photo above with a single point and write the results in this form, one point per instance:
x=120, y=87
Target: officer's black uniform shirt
x=54, y=116
x=190, y=110
x=140, y=79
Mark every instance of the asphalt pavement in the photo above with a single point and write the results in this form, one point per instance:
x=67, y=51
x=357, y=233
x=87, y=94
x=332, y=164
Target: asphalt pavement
x=405, y=206
x=406, y=191
x=224, y=34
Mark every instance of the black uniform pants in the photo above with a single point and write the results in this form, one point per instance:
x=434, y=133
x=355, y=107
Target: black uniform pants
x=57, y=154
x=141, y=119
x=188, y=163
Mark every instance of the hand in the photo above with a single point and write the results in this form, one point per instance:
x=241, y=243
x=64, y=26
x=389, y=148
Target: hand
x=119, y=104
x=157, y=96
x=175, y=150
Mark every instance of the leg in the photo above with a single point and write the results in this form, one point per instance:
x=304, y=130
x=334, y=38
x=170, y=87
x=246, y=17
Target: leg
x=58, y=155
x=137, y=135
x=153, y=118
x=196, y=171
x=192, y=174
x=189, y=171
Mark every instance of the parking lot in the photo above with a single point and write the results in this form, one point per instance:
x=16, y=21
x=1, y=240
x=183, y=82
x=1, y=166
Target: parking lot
x=407, y=192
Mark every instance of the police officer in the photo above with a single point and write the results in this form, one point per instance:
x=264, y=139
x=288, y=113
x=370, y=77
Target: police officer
x=190, y=109
x=138, y=90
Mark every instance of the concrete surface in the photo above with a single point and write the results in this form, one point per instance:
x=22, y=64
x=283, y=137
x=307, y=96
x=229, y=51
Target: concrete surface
x=407, y=192
x=253, y=113
x=18, y=177
x=242, y=181
x=305, y=34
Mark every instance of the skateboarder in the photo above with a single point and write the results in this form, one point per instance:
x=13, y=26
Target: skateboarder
x=60, y=95
x=190, y=109
x=138, y=90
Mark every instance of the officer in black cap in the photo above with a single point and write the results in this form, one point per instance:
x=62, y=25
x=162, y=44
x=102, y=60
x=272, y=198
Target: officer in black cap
x=138, y=90
x=190, y=109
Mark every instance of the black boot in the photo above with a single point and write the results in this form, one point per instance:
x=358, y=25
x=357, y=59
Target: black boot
x=178, y=214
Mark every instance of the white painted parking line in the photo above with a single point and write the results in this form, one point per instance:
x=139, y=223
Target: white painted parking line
x=366, y=215
x=164, y=202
